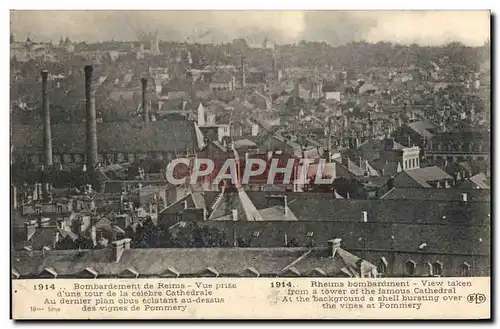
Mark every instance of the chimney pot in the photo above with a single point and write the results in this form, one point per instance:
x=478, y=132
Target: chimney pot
x=93, y=235
x=364, y=215
x=119, y=246
x=334, y=244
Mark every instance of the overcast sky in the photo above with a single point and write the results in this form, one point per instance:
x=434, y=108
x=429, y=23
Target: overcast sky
x=336, y=27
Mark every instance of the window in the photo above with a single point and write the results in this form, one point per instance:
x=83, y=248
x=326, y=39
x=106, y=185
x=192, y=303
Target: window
x=413, y=164
x=409, y=268
x=437, y=268
x=310, y=234
x=406, y=164
x=464, y=269
x=427, y=267
x=256, y=234
x=382, y=266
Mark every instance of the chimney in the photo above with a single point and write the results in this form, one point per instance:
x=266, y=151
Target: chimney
x=243, y=73
x=145, y=107
x=360, y=162
x=47, y=134
x=91, y=122
x=201, y=115
x=333, y=245
x=364, y=216
x=464, y=197
x=46, y=193
x=119, y=246
x=56, y=239
x=93, y=235
x=233, y=83
x=30, y=229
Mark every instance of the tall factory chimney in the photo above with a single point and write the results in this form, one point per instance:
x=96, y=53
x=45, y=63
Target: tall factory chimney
x=243, y=72
x=91, y=122
x=145, y=107
x=47, y=134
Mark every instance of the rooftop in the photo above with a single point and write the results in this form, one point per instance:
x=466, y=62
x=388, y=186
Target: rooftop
x=185, y=262
x=161, y=136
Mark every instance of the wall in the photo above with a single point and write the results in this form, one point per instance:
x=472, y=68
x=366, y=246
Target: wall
x=333, y=95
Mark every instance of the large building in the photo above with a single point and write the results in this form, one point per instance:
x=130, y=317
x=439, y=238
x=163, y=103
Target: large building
x=119, y=261
x=92, y=142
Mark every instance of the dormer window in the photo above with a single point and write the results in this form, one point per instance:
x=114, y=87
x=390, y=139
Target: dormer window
x=437, y=268
x=382, y=266
x=465, y=269
x=409, y=268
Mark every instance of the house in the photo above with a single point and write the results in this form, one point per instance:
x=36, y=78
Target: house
x=332, y=91
x=359, y=168
x=260, y=101
x=222, y=81
x=458, y=146
x=118, y=141
x=478, y=181
x=428, y=177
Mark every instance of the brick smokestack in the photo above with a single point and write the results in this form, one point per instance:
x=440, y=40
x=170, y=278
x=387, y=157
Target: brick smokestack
x=91, y=122
x=145, y=107
x=47, y=133
x=243, y=72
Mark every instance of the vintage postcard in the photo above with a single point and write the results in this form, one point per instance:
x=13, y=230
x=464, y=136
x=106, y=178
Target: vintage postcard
x=250, y=164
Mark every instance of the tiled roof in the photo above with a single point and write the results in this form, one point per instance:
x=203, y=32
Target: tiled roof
x=160, y=136
x=436, y=194
x=400, y=237
x=183, y=262
x=389, y=168
x=43, y=237
x=428, y=174
x=481, y=181
x=323, y=207
x=351, y=167
x=421, y=128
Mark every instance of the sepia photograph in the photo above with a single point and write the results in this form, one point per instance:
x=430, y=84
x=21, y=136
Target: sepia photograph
x=344, y=148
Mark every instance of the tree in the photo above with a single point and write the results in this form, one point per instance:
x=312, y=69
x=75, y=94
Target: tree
x=351, y=186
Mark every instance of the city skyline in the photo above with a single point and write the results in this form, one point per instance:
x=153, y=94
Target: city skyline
x=471, y=28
